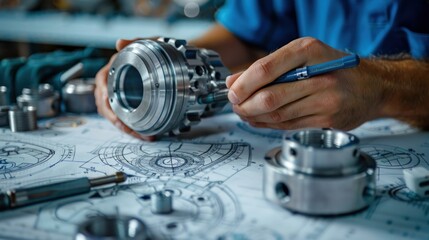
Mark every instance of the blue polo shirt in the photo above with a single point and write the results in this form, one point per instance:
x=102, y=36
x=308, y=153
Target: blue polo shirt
x=366, y=27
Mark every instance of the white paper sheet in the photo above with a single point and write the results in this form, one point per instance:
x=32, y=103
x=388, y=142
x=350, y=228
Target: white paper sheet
x=215, y=174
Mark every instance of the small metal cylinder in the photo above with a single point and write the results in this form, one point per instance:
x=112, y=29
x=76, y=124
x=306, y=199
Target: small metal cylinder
x=162, y=202
x=24, y=119
x=320, y=172
x=45, y=99
x=4, y=98
x=112, y=227
x=78, y=96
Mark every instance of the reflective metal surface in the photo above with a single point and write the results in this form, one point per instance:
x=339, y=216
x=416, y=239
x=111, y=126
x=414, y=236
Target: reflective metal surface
x=112, y=227
x=45, y=99
x=154, y=86
x=22, y=119
x=320, y=172
x=78, y=96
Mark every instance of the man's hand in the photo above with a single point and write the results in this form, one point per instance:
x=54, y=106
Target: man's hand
x=343, y=99
x=102, y=99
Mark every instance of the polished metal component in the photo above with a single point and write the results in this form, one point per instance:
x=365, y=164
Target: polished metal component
x=23, y=119
x=154, y=86
x=302, y=73
x=320, y=172
x=45, y=99
x=162, y=202
x=78, y=96
x=20, y=197
x=117, y=178
x=4, y=116
x=112, y=227
x=4, y=98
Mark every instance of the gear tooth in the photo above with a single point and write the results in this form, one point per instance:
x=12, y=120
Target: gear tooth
x=163, y=39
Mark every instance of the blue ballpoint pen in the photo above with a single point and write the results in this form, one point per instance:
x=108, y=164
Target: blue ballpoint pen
x=294, y=75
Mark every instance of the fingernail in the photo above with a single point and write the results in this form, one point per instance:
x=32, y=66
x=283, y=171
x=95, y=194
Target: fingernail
x=227, y=79
x=233, y=97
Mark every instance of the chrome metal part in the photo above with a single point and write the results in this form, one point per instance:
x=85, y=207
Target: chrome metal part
x=78, y=96
x=162, y=202
x=154, y=86
x=4, y=98
x=320, y=172
x=45, y=99
x=112, y=227
x=24, y=119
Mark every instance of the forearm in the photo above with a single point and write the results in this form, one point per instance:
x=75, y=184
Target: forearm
x=404, y=89
x=235, y=54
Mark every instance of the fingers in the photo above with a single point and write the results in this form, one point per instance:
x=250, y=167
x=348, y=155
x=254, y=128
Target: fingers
x=271, y=98
x=121, y=43
x=303, y=51
x=231, y=79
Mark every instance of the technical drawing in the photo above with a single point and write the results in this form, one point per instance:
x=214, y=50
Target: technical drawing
x=403, y=194
x=23, y=156
x=391, y=157
x=198, y=211
x=184, y=159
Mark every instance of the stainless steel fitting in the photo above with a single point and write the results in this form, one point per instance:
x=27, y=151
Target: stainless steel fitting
x=154, y=86
x=45, y=99
x=112, y=227
x=161, y=202
x=22, y=119
x=320, y=172
x=78, y=96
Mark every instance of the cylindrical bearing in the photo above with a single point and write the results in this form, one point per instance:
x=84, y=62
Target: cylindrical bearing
x=320, y=172
x=23, y=119
x=78, y=96
x=45, y=99
x=154, y=86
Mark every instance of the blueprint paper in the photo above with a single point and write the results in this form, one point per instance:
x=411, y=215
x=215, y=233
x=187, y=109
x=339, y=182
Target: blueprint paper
x=214, y=173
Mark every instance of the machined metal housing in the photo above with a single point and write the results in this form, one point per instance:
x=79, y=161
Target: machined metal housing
x=320, y=172
x=154, y=86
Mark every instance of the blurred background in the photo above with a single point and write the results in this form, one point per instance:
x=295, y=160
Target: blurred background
x=32, y=26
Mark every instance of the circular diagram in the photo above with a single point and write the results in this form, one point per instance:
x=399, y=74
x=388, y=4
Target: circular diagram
x=197, y=210
x=18, y=156
x=170, y=163
x=23, y=156
x=391, y=157
x=403, y=194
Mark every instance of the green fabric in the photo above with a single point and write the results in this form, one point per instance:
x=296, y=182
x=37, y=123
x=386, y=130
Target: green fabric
x=46, y=68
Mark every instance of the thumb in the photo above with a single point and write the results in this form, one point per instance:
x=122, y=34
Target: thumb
x=121, y=43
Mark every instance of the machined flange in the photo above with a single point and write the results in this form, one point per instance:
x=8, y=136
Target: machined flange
x=320, y=172
x=153, y=86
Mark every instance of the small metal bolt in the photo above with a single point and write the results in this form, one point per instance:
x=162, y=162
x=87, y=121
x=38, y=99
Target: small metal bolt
x=162, y=202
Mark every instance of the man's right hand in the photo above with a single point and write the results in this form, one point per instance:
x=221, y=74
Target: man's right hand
x=102, y=98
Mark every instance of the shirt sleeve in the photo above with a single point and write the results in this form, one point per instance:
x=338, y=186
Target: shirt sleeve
x=257, y=21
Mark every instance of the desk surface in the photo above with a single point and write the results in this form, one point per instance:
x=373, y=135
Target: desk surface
x=215, y=174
